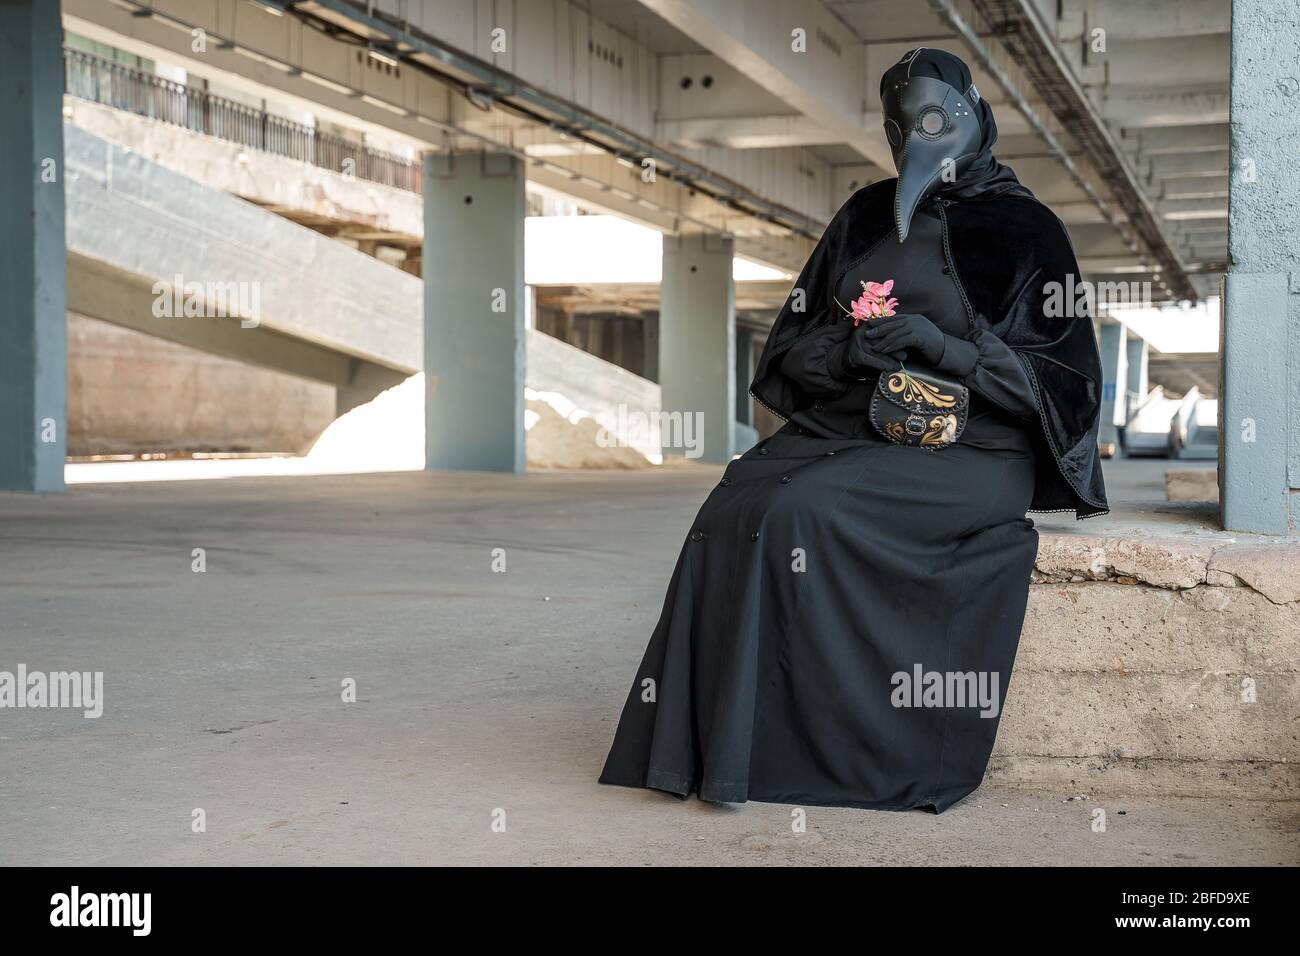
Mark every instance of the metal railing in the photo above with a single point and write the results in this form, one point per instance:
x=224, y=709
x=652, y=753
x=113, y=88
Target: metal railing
x=94, y=78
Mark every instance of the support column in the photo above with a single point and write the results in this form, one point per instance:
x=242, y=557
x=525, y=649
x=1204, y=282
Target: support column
x=744, y=375
x=746, y=436
x=474, y=308
x=697, y=347
x=1114, y=379
x=1259, y=426
x=1139, y=355
x=650, y=346
x=1137, y=363
x=33, y=268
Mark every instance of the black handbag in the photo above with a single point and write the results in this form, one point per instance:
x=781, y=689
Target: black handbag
x=919, y=407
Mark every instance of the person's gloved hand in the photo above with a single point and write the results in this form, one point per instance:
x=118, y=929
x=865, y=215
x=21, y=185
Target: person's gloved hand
x=907, y=331
x=859, y=353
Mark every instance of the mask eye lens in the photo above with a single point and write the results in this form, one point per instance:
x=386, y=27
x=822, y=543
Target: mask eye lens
x=893, y=133
x=932, y=122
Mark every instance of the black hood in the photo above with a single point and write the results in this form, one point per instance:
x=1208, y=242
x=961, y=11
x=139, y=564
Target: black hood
x=941, y=132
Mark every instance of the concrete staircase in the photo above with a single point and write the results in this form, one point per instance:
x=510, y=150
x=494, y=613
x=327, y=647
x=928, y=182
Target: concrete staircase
x=328, y=313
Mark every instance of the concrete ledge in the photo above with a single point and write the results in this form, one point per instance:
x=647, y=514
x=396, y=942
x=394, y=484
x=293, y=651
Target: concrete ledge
x=1158, y=665
x=1192, y=484
x=1168, y=563
x=1115, y=775
x=1273, y=571
x=1268, y=565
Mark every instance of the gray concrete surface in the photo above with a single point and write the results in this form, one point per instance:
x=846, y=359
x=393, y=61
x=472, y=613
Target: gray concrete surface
x=130, y=393
x=1193, y=484
x=476, y=691
x=1135, y=488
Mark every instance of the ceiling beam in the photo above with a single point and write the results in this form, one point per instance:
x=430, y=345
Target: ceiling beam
x=1149, y=20
x=825, y=79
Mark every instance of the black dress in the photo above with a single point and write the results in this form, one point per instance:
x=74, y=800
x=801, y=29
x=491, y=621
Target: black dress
x=831, y=574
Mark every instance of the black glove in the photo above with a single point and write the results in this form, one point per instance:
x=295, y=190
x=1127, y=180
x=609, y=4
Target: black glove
x=810, y=362
x=858, y=354
x=907, y=331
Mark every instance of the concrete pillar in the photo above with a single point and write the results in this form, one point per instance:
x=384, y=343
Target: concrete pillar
x=744, y=375
x=1114, y=379
x=745, y=435
x=697, y=345
x=474, y=308
x=33, y=268
x=650, y=346
x=1138, y=366
x=1259, y=427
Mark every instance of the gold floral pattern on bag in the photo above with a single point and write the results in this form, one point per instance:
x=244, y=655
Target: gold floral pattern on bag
x=942, y=431
x=915, y=391
x=939, y=431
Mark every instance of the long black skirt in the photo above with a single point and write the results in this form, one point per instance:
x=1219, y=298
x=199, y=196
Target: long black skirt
x=839, y=630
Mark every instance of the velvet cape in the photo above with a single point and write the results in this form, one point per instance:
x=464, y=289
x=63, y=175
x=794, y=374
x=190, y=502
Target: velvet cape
x=1006, y=249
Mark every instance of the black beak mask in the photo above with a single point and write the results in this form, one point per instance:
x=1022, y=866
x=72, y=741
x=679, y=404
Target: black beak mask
x=934, y=132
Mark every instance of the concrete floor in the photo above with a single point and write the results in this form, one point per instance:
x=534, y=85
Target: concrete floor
x=476, y=691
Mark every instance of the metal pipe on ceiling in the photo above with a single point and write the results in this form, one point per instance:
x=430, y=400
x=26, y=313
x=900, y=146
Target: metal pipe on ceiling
x=1021, y=33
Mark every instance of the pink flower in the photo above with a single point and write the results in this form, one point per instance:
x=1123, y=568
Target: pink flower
x=864, y=307
x=873, y=303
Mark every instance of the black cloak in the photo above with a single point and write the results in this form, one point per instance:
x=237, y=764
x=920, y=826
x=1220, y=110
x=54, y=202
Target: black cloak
x=841, y=600
x=1007, y=285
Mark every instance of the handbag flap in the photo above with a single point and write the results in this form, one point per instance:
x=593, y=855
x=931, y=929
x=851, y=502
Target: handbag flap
x=925, y=392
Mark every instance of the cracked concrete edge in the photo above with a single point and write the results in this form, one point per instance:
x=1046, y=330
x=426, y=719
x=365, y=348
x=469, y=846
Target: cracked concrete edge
x=1112, y=776
x=1272, y=569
